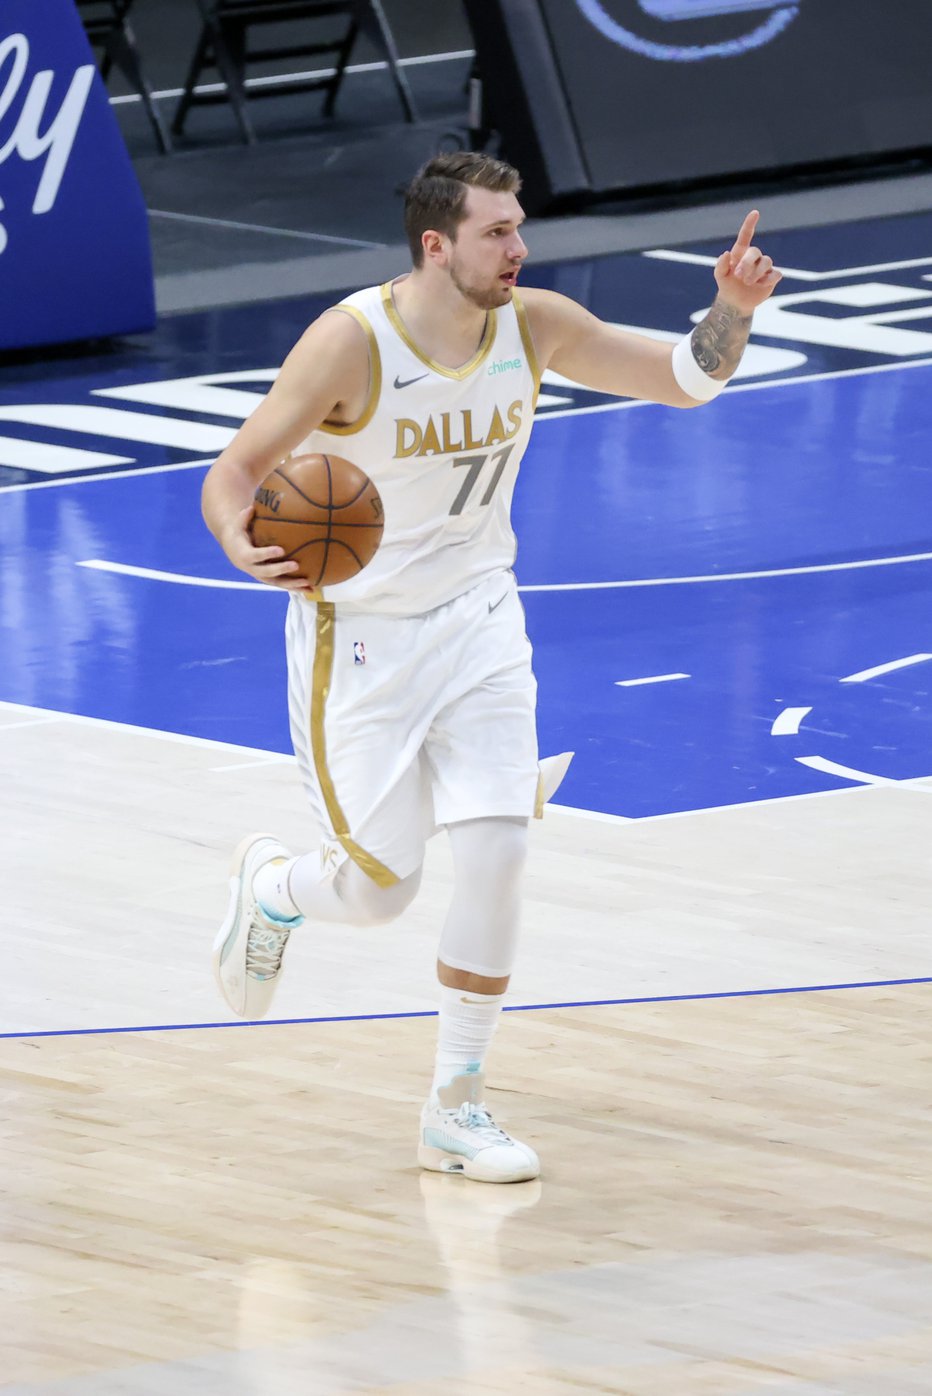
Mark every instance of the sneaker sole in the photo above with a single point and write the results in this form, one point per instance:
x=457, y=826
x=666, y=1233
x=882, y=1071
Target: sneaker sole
x=438, y=1161
x=236, y=892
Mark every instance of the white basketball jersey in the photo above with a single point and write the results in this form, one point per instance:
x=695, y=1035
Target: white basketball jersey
x=442, y=446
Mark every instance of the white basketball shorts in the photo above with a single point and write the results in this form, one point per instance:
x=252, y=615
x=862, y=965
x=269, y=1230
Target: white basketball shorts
x=401, y=724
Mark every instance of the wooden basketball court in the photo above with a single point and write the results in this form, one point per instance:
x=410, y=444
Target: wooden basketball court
x=735, y=1195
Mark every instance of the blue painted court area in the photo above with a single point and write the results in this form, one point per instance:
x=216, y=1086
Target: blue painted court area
x=630, y=519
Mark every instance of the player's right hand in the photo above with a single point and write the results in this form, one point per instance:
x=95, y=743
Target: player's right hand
x=263, y=564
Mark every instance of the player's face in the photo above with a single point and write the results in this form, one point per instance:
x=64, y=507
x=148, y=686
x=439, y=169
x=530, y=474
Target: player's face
x=486, y=257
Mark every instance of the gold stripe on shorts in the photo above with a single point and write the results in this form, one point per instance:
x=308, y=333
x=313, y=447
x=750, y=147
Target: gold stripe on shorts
x=323, y=672
x=539, y=797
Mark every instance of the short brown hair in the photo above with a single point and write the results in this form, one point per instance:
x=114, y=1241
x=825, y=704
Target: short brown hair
x=436, y=197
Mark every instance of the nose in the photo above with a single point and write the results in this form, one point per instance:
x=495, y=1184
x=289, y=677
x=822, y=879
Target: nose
x=518, y=248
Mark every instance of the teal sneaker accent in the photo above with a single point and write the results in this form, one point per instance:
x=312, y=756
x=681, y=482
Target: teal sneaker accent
x=437, y=1139
x=289, y=921
x=248, y=948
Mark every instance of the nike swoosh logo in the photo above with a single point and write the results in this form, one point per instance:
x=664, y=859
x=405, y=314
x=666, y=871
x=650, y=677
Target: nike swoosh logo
x=497, y=604
x=408, y=381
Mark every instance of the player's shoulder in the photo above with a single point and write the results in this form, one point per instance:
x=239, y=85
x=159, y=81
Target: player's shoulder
x=339, y=330
x=549, y=308
x=334, y=349
x=554, y=321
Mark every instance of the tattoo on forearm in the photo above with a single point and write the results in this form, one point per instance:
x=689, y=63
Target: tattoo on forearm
x=720, y=339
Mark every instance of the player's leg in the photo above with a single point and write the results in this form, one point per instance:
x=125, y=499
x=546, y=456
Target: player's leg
x=482, y=749
x=273, y=893
x=345, y=896
x=479, y=941
x=357, y=743
x=476, y=957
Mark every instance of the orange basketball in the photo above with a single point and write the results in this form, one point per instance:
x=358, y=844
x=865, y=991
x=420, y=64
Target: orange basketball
x=325, y=512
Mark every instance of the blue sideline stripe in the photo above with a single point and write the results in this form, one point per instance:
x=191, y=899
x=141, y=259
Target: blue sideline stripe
x=508, y=1008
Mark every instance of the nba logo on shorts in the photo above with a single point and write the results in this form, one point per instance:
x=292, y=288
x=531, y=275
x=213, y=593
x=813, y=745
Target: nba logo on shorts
x=359, y=652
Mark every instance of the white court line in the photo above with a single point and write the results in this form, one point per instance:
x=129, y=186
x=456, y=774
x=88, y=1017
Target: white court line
x=56, y=715
x=731, y=576
x=699, y=259
x=595, y=814
x=181, y=578
x=271, y=759
x=723, y=809
x=261, y=228
x=834, y=768
x=915, y=782
x=615, y=406
x=106, y=475
x=656, y=678
x=379, y=66
x=51, y=715
x=746, y=385
x=885, y=668
x=787, y=723
x=184, y=579
x=30, y=722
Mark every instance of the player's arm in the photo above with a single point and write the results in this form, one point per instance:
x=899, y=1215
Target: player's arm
x=580, y=346
x=324, y=378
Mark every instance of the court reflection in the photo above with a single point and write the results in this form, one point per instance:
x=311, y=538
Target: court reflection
x=468, y=1223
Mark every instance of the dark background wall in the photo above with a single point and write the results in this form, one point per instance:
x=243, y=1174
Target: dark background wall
x=317, y=203
x=167, y=31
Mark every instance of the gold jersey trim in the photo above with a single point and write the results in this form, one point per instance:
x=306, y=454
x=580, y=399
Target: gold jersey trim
x=398, y=325
x=375, y=378
x=320, y=689
x=527, y=340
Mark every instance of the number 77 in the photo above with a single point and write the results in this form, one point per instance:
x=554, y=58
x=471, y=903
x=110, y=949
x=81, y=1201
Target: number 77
x=474, y=465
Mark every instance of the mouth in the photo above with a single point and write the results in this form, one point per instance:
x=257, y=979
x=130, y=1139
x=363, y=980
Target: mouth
x=510, y=278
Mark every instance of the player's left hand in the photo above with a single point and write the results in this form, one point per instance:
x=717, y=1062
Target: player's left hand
x=745, y=275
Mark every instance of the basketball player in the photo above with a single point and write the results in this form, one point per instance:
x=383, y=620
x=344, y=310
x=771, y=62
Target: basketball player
x=411, y=693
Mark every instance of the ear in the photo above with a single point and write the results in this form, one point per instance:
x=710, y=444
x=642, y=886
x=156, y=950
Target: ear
x=435, y=246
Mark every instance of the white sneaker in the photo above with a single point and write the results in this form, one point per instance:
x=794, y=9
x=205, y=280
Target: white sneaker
x=249, y=945
x=458, y=1135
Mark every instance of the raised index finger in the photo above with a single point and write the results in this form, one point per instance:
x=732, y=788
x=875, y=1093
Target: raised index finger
x=746, y=232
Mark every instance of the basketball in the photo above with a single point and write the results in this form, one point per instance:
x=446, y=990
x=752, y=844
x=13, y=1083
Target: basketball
x=325, y=512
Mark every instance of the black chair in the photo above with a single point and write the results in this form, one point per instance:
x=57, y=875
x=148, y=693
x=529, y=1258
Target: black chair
x=107, y=26
x=224, y=45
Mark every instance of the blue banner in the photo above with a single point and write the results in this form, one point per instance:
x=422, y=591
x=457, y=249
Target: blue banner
x=74, y=238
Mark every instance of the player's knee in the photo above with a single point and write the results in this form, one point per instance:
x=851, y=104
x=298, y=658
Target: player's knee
x=510, y=849
x=504, y=849
x=489, y=857
x=371, y=904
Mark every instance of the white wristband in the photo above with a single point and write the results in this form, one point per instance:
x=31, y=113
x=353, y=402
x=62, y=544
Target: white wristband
x=691, y=378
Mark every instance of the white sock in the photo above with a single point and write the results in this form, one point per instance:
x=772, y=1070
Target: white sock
x=270, y=885
x=467, y=1026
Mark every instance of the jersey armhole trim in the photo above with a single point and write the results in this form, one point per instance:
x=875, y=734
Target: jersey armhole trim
x=375, y=378
x=527, y=340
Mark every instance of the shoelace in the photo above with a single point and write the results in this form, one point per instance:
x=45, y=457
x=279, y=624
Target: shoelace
x=476, y=1118
x=264, y=950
